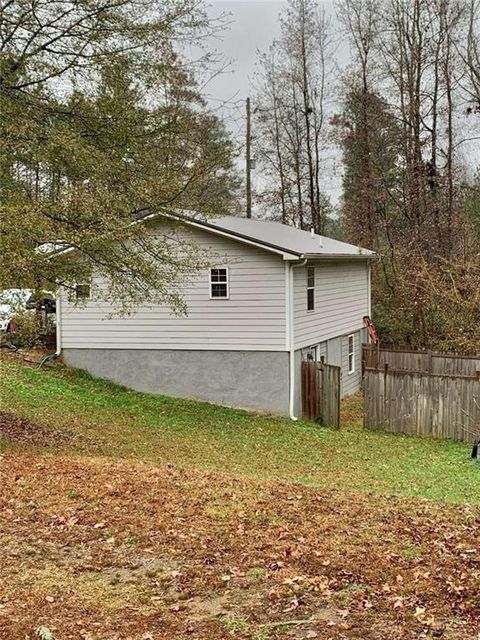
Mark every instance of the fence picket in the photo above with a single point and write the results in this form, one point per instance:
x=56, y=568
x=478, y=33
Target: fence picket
x=413, y=402
x=321, y=393
x=374, y=357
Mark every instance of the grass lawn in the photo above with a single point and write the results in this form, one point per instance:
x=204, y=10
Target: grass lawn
x=131, y=517
x=103, y=419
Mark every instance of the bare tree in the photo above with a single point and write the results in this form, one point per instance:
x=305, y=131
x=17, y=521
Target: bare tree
x=470, y=52
x=415, y=67
x=290, y=95
x=359, y=19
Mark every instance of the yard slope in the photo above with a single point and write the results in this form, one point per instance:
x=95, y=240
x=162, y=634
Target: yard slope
x=110, y=550
x=129, y=516
x=84, y=416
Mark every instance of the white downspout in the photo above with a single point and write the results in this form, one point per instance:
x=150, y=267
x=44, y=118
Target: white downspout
x=290, y=327
x=58, y=323
x=58, y=332
x=369, y=302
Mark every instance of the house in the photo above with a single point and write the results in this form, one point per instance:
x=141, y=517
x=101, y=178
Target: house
x=275, y=295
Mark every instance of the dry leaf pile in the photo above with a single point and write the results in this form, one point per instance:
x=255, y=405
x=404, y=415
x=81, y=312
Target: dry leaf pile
x=102, y=550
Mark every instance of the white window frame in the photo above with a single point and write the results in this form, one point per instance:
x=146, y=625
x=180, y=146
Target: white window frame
x=227, y=297
x=314, y=351
x=351, y=354
x=310, y=288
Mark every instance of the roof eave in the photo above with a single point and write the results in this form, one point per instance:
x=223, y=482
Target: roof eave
x=266, y=246
x=287, y=254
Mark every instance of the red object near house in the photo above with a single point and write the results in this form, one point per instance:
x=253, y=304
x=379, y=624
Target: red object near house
x=372, y=332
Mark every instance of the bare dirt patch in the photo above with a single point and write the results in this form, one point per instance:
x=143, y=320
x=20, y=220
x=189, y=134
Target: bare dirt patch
x=102, y=550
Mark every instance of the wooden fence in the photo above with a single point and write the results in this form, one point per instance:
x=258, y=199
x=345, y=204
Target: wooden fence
x=321, y=393
x=416, y=403
x=421, y=361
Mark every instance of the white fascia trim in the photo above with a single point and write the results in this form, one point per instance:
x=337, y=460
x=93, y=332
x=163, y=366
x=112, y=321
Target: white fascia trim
x=341, y=256
x=219, y=232
x=232, y=236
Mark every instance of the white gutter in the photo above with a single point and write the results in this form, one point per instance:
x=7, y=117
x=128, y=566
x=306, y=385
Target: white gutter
x=290, y=332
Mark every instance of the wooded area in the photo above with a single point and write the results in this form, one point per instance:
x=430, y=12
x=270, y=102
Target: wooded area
x=406, y=114
x=103, y=123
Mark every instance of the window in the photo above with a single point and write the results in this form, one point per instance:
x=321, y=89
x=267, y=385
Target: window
x=310, y=288
x=312, y=354
x=83, y=291
x=219, y=283
x=351, y=354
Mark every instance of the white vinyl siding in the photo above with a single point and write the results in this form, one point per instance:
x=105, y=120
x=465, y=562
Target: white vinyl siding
x=341, y=301
x=252, y=318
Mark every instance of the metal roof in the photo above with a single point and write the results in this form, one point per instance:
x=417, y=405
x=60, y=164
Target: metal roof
x=285, y=238
x=273, y=236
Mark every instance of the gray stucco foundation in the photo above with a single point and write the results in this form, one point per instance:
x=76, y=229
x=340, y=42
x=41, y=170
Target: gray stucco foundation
x=254, y=380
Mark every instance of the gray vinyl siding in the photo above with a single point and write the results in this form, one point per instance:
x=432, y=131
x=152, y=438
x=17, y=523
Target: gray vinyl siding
x=335, y=351
x=252, y=319
x=341, y=301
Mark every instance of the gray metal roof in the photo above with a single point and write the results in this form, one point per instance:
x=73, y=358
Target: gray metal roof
x=286, y=238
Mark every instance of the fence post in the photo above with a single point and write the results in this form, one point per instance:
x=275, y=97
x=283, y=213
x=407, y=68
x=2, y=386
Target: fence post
x=385, y=374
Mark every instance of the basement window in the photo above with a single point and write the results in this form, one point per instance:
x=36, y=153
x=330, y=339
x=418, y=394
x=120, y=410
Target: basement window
x=311, y=354
x=351, y=354
x=219, y=283
x=310, y=288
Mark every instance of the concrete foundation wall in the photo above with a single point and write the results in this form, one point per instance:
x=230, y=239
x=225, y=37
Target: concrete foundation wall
x=254, y=380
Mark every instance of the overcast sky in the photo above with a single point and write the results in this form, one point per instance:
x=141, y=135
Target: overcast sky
x=253, y=25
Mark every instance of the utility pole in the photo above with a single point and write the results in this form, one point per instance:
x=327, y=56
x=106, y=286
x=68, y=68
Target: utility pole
x=248, y=163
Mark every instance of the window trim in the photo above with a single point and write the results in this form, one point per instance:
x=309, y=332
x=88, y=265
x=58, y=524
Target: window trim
x=315, y=349
x=227, y=297
x=311, y=288
x=351, y=353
